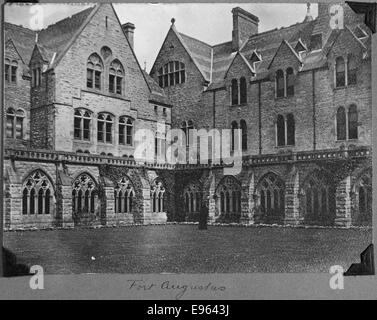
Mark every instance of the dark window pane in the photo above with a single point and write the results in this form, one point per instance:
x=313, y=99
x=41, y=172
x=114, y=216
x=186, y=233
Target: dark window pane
x=290, y=82
x=7, y=72
x=161, y=81
x=341, y=124
x=290, y=130
x=340, y=72
x=234, y=92
x=183, y=76
x=119, y=85
x=14, y=74
x=171, y=79
x=111, y=83
x=108, y=132
x=19, y=127
x=89, y=78
x=176, y=74
x=77, y=128
x=97, y=75
x=121, y=134
x=243, y=90
x=100, y=131
x=166, y=82
x=129, y=135
x=281, y=131
x=9, y=126
x=351, y=72
x=352, y=123
x=86, y=129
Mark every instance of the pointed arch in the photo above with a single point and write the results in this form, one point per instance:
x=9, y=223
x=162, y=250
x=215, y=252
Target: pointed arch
x=271, y=194
x=37, y=191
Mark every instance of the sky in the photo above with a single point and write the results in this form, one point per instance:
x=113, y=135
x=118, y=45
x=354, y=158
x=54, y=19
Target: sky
x=211, y=23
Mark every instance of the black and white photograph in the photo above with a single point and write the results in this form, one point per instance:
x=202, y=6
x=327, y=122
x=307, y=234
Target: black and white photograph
x=186, y=138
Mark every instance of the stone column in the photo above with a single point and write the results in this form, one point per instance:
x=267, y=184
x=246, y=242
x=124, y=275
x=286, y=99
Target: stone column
x=343, y=203
x=66, y=200
x=110, y=217
x=248, y=202
x=292, y=205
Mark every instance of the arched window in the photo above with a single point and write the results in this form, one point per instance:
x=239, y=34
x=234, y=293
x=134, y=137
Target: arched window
x=271, y=191
x=243, y=90
x=36, y=194
x=157, y=196
x=280, y=130
x=126, y=131
x=319, y=197
x=171, y=74
x=124, y=195
x=94, y=69
x=352, y=122
x=279, y=83
x=84, y=194
x=228, y=195
x=15, y=123
x=234, y=136
x=116, y=75
x=192, y=196
x=82, y=119
x=244, y=134
x=187, y=127
x=290, y=129
x=234, y=92
x=340, y=78
x=104, y=128
x=290, y=82
x=341, y=124
x=351, y=70
x=10, y=71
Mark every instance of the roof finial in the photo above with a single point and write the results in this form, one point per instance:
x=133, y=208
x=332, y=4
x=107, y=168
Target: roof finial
x=36, y=37
x=308, y=16
x=172, y=21
x=145, y=66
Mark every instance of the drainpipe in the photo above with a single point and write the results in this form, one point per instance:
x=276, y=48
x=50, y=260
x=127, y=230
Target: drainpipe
x=314, y=114
x=260, y=117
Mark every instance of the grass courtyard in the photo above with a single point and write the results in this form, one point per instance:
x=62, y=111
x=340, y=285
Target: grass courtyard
x=185, y=249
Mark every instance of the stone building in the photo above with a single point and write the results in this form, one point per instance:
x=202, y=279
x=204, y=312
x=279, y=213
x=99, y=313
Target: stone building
x=75, y=96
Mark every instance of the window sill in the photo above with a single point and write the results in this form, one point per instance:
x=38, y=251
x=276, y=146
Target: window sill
x=81, y=141
x=345, y=87
x=285, y=97
x=239, y=105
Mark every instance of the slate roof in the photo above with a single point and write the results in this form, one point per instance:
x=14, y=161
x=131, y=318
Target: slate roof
x=157, y=93
x=52, y=39
x=23, y=39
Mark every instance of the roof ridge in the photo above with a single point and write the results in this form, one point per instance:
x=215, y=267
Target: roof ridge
x=66, y=18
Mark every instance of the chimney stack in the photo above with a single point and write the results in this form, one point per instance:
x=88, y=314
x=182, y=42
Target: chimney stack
x=245, y=25
x=128, y=29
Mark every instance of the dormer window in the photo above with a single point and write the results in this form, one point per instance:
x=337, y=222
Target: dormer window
x=316, y=42
x=171, y=74
x=255, y=59
x=360, y=33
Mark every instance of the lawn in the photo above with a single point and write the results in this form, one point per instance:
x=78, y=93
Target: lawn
x=185, y=249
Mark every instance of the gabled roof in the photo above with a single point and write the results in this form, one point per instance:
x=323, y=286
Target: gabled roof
x=23, y=39
x=285, y=43
x=157, y=93
x=58, y=37
x=251, y=69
